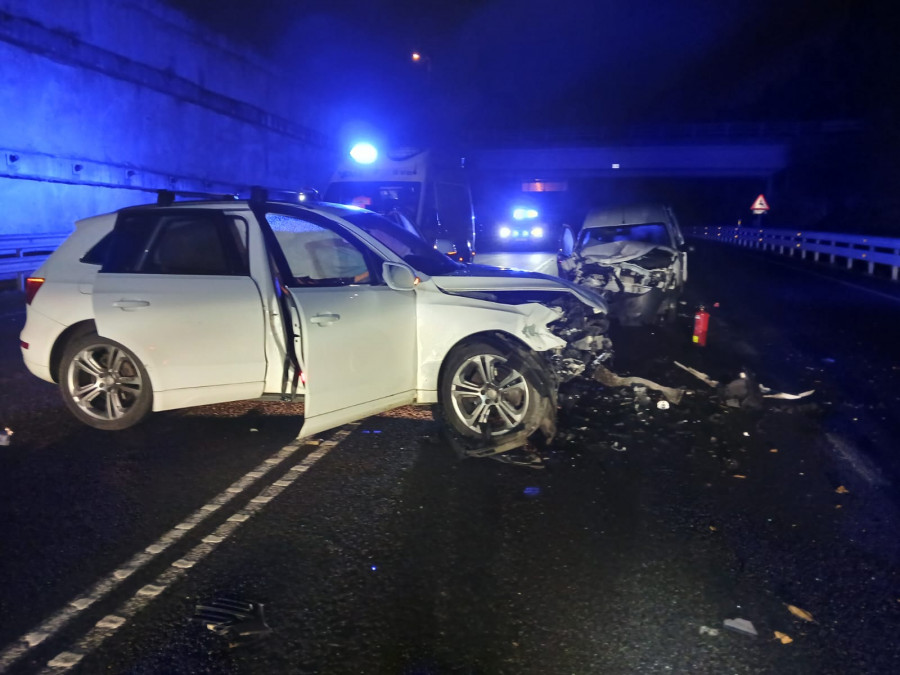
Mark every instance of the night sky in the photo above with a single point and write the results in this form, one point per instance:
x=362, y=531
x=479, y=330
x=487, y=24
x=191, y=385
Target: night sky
x=524, y=64
x=529, y=71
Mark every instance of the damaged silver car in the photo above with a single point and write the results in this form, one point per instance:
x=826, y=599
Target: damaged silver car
x=633, y=255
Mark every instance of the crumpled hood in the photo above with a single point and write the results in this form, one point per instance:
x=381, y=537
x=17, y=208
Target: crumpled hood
x=620, y=251
x=483, y=278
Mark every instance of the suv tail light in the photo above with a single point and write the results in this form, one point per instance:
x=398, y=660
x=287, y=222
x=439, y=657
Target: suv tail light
x=32, y=286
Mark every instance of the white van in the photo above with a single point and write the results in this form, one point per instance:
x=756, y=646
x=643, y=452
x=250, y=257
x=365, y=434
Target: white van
x=635, y=256
x=420, y=190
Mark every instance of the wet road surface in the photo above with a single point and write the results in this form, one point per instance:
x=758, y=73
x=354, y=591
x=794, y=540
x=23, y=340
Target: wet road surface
x=376, y=550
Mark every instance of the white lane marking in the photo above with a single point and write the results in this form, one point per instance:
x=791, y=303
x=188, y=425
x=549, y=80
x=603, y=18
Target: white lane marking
x=18, y=648
x=106, y=627
x=856, y=459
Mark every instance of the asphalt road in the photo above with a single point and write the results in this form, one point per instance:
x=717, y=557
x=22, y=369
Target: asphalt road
x=375, y=550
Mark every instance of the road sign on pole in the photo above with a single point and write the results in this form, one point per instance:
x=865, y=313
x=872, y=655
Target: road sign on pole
x=760, y=206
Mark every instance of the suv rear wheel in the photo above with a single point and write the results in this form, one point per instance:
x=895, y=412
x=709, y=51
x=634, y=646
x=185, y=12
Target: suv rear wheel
x=104, y=384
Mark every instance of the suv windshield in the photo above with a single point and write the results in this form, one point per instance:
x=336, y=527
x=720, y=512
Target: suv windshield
x=412, y=249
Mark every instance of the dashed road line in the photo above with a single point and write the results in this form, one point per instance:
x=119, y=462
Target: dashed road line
x=52, y=625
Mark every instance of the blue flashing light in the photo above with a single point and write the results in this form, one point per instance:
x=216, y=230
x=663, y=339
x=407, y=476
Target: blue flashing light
x=504, y=232
x=523, y=214
x=364, y=153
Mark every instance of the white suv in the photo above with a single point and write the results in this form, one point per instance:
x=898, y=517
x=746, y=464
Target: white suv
x=188, y=303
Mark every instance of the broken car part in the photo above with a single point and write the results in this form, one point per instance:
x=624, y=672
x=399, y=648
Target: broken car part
x=238, y=621
x=610, y=379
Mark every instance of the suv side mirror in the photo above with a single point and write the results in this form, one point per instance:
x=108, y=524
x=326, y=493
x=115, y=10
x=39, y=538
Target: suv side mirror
x=398, y=277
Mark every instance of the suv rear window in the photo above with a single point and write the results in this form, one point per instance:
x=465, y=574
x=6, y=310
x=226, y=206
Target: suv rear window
x=191, y=242
x=96, y=255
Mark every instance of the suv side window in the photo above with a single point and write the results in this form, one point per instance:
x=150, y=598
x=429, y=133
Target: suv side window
x=316, y=255
x=191, y=242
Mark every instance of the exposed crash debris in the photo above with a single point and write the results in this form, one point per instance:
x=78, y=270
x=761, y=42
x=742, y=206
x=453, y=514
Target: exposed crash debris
x=238, y=621
x=585, y=334
x=640, y=273
x=743, y=392
x=783, y=638
x=746, y=392
x=706, y=630
x=519, y=451
x=610, y=379
x=631, y=255
x=800, y=613
x=785, y=396
x=741, y=626
x=586, y=347
x=703, y=377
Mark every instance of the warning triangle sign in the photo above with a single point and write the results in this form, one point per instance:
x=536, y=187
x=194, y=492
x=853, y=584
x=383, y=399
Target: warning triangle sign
x=760, y=205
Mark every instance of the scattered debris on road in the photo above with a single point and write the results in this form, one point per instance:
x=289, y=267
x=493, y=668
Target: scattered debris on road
x=800, y=613
x=706, y=630
x=703, y=377
x=741, y=626
x=238, y=621
x=605, y=376
x=784, y=638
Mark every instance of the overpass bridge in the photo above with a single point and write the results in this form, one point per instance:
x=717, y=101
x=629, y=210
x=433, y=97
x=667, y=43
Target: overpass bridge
x=752, y=150
x=622, y=161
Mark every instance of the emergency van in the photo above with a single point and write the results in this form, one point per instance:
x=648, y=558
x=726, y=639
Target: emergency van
x=421, y=190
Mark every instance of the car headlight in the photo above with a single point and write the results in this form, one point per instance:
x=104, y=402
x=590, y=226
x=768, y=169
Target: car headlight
x=524, y=214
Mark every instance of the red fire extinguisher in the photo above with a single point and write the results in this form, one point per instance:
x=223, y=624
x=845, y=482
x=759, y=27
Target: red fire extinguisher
x=701, y=326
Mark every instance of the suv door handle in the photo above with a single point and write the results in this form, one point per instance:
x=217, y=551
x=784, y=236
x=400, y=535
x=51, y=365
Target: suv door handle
x=325, y=319
x=130, y=304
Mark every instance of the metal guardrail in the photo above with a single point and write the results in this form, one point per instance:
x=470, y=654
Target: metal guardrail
x=22, y=254
x=839, y=248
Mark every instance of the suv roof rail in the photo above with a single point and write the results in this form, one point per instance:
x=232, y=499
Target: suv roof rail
x=261, y=194
x=167, y=197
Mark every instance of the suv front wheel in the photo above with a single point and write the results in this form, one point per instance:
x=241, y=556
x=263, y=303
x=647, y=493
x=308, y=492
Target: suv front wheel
x=486, y=393
x=104, y=384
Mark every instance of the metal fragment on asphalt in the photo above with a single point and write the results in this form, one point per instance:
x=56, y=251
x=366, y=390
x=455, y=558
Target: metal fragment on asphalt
x=741, y=626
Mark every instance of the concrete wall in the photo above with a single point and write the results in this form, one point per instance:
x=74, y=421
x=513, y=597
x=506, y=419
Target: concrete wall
x=104, y=101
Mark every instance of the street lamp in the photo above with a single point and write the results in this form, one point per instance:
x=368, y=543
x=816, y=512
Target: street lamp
x=419, y=57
